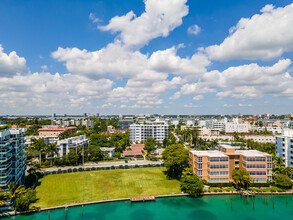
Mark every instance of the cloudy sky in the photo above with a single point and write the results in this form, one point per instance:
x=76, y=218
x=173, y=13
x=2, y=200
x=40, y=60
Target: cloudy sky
x=146, y=56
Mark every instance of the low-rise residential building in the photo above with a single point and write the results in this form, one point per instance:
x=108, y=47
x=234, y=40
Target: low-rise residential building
x=284, y=146
x=236, y=127
x=65, y=145
x=256, y=138
x=218, y=165
x=142, y=131
x=134, y=151
x=208, y=132
x=12, y=156
x=109, y=151
x=54, y=131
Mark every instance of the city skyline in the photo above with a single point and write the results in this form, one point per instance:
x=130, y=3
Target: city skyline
x=132, y=57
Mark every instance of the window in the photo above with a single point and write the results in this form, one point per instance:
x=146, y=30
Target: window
x=257, y=173
x=199, y=166
x=253, y=166
x=218, y=180
x=218, y=159
x=269, y=165
x=259, y=180
x=218, y=166
x=270, y=178
x=269, y=159
x=199, y=159
x=254, y=159
x=220, y=173
x=199, y=172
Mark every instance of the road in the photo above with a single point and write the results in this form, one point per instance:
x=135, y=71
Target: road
x=108, y=164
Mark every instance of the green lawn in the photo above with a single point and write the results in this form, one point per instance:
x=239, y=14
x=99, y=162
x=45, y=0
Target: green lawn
x=69, y=188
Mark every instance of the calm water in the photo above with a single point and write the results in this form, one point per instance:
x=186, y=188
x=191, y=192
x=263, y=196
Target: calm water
x=207, y=207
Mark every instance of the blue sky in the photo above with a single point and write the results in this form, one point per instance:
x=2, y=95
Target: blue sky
x=153, y=56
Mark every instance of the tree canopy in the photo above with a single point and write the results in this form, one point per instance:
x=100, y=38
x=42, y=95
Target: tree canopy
x=176, y=159
x=283, y=181
x=241, y=177
x=191, y=183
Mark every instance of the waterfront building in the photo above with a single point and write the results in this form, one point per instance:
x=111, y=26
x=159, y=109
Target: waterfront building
x=218, y=165
x=12, y=156
x=65, y=145
x=284, y=146
x=142, y=131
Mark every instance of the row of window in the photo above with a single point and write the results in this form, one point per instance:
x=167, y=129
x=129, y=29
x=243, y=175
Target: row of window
x=220, y=173
x=254, y=159
x=257, y=173
x=218, y=159
x=259, y=180
x=222, y=166
x=218, y=180
x=253, y=166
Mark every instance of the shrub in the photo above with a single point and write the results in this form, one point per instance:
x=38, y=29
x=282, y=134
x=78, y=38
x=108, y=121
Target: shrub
x=283, y=181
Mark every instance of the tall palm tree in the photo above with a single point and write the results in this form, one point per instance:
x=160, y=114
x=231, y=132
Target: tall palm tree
x=38, y=146
x=51, y=151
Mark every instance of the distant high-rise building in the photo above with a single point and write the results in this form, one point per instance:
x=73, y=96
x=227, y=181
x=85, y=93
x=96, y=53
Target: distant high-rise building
x=97, y=115
x=53, y=115
x=85, y=115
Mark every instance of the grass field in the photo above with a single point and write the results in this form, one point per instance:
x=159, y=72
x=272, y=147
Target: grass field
x=69, y=188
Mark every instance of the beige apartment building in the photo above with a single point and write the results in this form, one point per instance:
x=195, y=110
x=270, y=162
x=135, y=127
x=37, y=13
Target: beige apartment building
x=54, y=131
x=217, y=166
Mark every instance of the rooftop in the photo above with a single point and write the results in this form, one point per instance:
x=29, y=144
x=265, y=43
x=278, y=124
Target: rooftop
x=209, y=153
x=56, y=129
x=251, y=153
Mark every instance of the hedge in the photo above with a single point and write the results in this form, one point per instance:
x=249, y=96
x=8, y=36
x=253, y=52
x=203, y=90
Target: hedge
x=220, y=184
x=260, y=185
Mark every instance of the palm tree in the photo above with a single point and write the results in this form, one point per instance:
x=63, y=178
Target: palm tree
x=38, y=146
x=51, y=151
x=16, y=190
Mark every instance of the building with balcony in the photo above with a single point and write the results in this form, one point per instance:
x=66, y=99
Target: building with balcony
x=125, y=123
x=54, y=131
x=12, y=156
x=284, y=146
x=142, y=131
x=65, y=145
x=217, y=166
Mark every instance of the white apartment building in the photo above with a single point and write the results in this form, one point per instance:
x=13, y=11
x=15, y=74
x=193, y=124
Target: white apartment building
x=142, y=131
x=65, y=145
x=76, y=122
x=231, y=127
x=12, y=156
x=284, y=146
x=217, y=124
x=274, y=130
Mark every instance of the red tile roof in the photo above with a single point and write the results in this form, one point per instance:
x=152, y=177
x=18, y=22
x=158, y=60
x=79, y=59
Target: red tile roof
x=136, y=150
x=56, y=129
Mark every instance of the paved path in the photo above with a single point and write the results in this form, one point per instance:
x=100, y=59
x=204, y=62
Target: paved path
x=108, y=164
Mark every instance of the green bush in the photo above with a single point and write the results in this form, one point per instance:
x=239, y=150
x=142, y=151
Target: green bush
x=23, y=202
x=283, y=181
x=220, y=184
x=260, y=185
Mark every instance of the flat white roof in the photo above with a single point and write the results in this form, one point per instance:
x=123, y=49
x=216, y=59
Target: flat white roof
x=251, y=153
x=209, y=153
x=227, y=146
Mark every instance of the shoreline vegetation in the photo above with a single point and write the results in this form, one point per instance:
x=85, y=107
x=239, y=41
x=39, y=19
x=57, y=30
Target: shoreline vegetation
x=235, y=193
